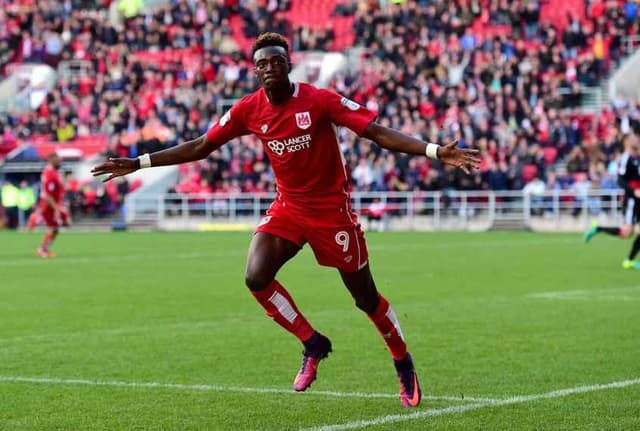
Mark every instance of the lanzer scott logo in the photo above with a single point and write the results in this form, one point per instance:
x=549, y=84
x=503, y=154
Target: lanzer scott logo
x=290, y=145
x=303, y=120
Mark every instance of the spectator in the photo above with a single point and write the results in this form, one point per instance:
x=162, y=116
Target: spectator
x=376, y=213
x=9, y=194
x=183, y=61
x=26, y=200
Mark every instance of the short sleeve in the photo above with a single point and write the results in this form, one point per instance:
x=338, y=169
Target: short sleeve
x=229, y=126
x=346, y=112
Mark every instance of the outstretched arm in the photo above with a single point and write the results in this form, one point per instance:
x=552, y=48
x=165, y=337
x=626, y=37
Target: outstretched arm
x=393, y=140
x=188, y=151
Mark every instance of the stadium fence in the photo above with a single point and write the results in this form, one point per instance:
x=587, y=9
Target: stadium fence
x=564, y=210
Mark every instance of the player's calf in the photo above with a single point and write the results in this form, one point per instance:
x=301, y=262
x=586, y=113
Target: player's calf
x=33, y=221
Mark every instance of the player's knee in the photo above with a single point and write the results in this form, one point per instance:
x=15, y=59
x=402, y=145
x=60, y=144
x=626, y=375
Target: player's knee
x=367, y=303
x=255, y=281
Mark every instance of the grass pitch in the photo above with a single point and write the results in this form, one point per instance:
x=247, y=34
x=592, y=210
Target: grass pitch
x=156, y=331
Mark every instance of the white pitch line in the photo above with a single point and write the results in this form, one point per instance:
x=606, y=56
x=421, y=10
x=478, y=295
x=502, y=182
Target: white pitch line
x=219, y=388
x=28, y=261
x=611, y=294
x=383, y=420
x=461, y=398
x=127, y=330
x=481, y=242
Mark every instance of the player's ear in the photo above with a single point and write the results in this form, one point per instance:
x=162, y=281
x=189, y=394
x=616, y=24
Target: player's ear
x=289, y=66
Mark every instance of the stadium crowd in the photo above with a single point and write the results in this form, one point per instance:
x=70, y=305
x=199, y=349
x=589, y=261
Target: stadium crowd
x=515, y=95
x=429, y=69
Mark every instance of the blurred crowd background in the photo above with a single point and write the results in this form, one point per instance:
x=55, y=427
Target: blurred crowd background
x=493, y=74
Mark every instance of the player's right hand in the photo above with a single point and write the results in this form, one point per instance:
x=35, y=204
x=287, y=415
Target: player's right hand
x=116, y=168
x=636, y=193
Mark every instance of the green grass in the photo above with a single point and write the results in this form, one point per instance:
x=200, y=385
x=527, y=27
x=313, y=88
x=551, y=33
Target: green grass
x=172, y=308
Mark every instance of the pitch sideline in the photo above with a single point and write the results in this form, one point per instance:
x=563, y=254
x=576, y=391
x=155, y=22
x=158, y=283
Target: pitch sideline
x=387, y=419
x=222, y=388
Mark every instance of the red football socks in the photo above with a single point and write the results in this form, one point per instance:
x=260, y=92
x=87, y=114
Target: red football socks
x=387, y=323
x=48, y=239
x=280, y=307
x=33, y=220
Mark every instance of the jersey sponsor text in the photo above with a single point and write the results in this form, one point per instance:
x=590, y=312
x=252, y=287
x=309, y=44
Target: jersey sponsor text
x=290, y=145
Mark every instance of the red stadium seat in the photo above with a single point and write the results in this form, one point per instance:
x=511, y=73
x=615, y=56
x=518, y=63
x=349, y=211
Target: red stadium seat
x=550, y=155
x=135, y=185
x=529, y=172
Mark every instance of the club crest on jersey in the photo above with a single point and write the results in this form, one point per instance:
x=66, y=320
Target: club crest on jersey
x=303, y=120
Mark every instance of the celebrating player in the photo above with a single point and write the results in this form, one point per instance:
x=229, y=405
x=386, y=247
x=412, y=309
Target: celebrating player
x=50, y=209
x=296, y=123
x=629, y=180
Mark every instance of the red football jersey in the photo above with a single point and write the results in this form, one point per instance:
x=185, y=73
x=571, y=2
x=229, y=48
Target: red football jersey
x=300, y=139
x=52, y=185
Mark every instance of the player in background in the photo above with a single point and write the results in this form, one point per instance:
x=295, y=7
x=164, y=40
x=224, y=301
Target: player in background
x=296, y=123
x=51, y=209
x=629, y=180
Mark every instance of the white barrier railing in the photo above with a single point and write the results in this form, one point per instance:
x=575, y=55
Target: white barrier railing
x=440, y=210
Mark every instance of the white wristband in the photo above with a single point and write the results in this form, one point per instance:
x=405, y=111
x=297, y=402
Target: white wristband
x=432, y=151
x=145, y=160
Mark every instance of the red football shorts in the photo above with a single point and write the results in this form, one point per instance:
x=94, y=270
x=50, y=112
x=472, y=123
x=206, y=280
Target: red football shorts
x=336, y=239
x=49, y=218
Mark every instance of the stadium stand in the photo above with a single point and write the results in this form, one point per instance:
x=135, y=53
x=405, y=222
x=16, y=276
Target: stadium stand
x=509, y=77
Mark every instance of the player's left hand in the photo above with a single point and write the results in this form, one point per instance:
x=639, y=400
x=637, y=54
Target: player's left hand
x=116, y=167
x=463, y=158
